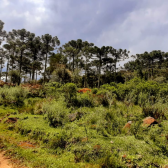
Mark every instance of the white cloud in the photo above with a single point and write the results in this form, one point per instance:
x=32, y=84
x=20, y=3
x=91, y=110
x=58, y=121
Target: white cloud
x=142, y=30
x=5, y=3
x=137, y=26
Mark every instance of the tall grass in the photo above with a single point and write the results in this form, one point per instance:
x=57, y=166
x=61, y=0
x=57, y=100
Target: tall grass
x=13, y=95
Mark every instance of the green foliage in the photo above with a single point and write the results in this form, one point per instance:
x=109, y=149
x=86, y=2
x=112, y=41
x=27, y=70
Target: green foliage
x=96, y=135
x=53, y=89
x=7, y=110
x=137, y=91
x=94, y=90
x=53, y=84
x=83, y=100
x=136, y=129
x=56, y=113
x=58, y=141
x=111, y=159
x=13, y=96
x=15, y=77
x=160, y=79
x=62, y=75
x=70, y=91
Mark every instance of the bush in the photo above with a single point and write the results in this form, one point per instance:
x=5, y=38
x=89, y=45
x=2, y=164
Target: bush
x=111, y=160
x=56, y=112
x=102, y=97
x=15, y=76
x=83, y=100
x=70, y=90
x=13, y=96
x=94, y=90
x=153, y=112
x=58, y=142
x=53, y=89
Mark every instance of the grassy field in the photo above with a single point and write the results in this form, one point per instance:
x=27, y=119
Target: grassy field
x=48, y=132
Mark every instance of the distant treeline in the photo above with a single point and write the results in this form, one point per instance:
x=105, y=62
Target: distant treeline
x=26, y=56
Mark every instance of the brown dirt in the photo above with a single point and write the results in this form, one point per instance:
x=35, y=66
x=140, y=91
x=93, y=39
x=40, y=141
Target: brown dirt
x=97, y=147
x=7, y=162
x=84, y=90
x=4, y=161
x=93, y=126
x=26, y=145
x=128, y=124
x=11, y=120
x=85, y=139
x=149, y=121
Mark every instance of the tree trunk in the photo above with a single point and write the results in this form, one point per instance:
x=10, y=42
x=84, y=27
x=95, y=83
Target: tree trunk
x=33, y=72
x=13, y=59
x=20, y=68
x=7, y=68
x=99, y=77
x=33, y=68
x=6, y=72
x=100, y=63
x=45, y=68
x=36, y=76
x=85, y=73
x=30, y=75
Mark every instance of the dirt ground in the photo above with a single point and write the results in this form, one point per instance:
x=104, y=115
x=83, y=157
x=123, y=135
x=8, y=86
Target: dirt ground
x=4, y=161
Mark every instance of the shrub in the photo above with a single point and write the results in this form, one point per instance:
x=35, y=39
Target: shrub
x=56, y=112
x=111, y=160
x=160, y=79
x=102, y=97
x=15, y=76
x=142, y=99
x=153, y=112
x=58, y=141
x=83, y=100
x=94, y=90
x=13, y=96
x=70, y=91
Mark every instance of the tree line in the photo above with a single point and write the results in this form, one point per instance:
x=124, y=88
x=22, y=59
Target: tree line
x=27, y=55
x=149, y=65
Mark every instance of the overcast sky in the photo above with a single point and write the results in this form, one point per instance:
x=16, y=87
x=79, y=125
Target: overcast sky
x=135, y=25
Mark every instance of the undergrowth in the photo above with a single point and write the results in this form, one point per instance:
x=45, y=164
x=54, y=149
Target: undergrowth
x=94, y=129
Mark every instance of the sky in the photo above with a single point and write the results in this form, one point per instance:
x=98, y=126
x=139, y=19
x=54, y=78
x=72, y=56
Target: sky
x=135, y=25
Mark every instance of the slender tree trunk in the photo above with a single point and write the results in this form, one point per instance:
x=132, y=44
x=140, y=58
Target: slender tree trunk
x=30, y=75
x=36, y=76
x=99, y=77
x=20, y=68
x=85, y=73
x=33, y=69
x=7, y=68
x=45, y=68
x=13, y=59
x=6, y=72
x=99, y=72
x=33, y=72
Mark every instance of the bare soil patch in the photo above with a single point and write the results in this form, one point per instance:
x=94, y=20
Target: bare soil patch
x=7, y=162
x=4, y=161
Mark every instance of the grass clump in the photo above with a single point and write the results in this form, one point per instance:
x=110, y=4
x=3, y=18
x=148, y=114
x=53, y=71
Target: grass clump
x=56, y=113
x=14, y=96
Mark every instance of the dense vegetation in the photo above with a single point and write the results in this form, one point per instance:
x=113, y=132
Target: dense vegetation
x=51, y=122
